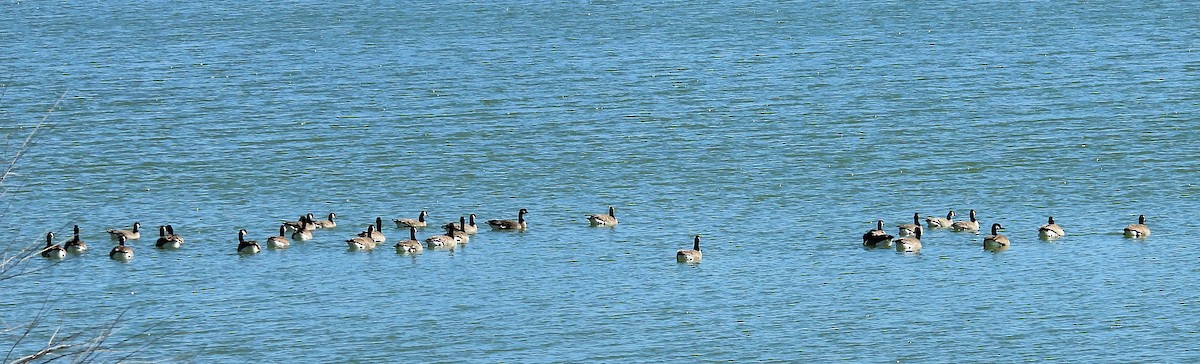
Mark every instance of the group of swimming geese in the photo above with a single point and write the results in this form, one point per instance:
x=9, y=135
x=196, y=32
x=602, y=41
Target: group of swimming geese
x=302, y=229
x=910, y=234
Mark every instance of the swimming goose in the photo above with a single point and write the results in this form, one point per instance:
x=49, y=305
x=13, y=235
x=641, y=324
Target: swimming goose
x=877, y=236
x=411, y=245
x=363, y=241
x=419, y=222
x=247, y=246
x=470, y=228
x=442, y=241
x=162, y=236
x=910, y=229
x=690, y=255
x=304, y=223
x=52, y=250
x=1138, y=230
x=940, y=223
x=327, y=223
x=971, y=225
x=121, y=251
x=518, y=224
x=167, y=241
x=128, y=234
x=1050, y=230
x=375, y=234
x=172, y=235
x=459, y=234
x=995, y=240
x=910, y=244
x=303, y=231
x=280, y=241
x=602, y=219
x=76, y=245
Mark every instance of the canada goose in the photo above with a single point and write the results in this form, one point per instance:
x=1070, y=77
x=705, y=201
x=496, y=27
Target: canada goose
x=1050, y=230
x=876, y=236
x=971, y=225
x=995, y=240
x=121, y=251
x=327, y=223
x=52, y=250
x=411, y=245
x=458, y=234
x=690, y=256
x=376, y=233
x=909, y=244
x=1138, y=230
x=602, y=219
x=518, y=224
x=280, y=241
x=910, y=229
x=172, y=235
x=442, y=241
x=167, y=241
x=470, y=228
x=419, y=222
x=304, y=223
x=363, y=241
x=76, y=245
x=247, y=246
x=940, y=223
x=303, y=231
x=133, y=234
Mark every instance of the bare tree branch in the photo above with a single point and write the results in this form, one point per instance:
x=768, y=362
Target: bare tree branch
x=16, y=265
x=37, y=319
x=80, y=345
x=47, y=351
x=28, y=141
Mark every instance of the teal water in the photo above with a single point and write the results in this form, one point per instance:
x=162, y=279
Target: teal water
x=777, y=131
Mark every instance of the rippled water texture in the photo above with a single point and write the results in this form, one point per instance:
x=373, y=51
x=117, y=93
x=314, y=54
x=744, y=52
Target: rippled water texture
x=778, y=132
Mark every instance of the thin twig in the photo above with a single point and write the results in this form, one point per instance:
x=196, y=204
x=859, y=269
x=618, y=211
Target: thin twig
x=148, y=343
x=39, y=354
x=37, y=319
x=96, y=343
x=8, y=268
x=28, y=140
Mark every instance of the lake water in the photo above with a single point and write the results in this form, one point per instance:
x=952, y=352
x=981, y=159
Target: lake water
x=778, y=132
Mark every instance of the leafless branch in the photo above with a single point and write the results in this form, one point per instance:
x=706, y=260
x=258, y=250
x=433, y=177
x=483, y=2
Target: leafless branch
x=80, y=346
x=27, y=143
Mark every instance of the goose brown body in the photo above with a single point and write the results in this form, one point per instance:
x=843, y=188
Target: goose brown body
x=52, y=250
x=75, y=244
x=940, y=222
x=969, y=225
x=469, y=228
x=518, y=224
x=328, y=223
x=609, y=219
x=121, y=251
x=418, y=222
x=995, y=239
x=375, y=232
x=693, y=255
x=877, y=236
x=1138, y=230
x=410, y=246
x=279, y=241
x=247, y=246
x=1050, y=230
x=167, y=240
x=131, y=234
x=909, y=244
